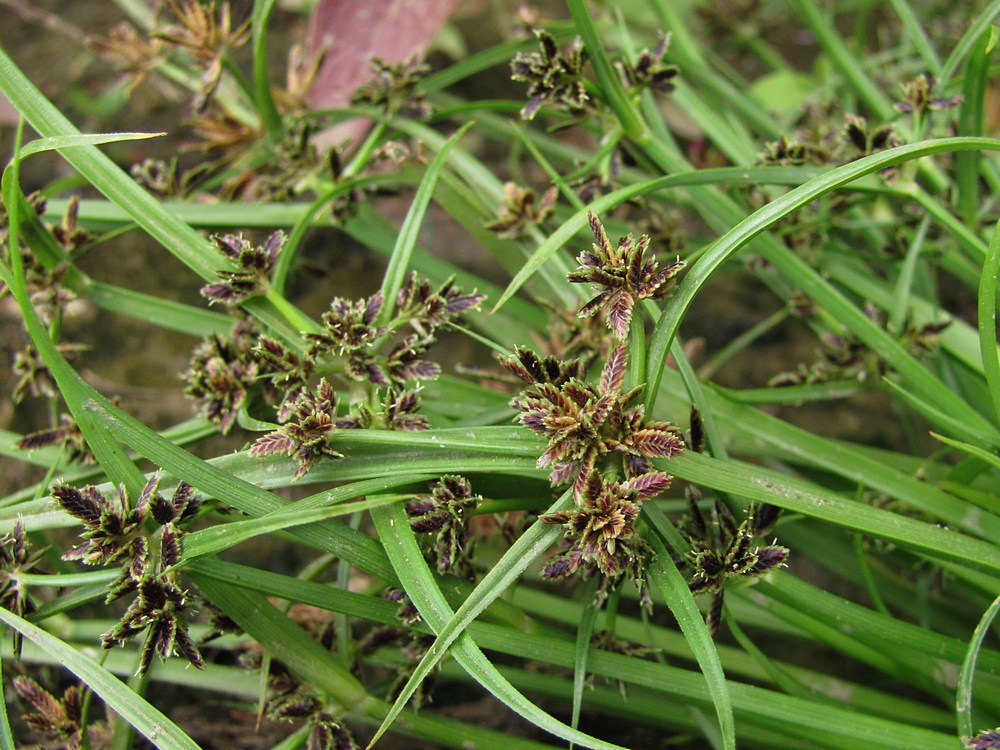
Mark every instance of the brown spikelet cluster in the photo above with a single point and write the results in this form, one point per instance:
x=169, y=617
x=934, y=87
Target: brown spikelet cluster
x=115, y=532
x=623, y=274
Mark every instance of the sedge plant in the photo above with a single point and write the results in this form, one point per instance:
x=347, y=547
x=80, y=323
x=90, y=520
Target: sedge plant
x=691, y=435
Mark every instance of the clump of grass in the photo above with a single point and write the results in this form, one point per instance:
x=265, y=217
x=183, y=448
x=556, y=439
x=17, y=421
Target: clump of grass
x=622, y=501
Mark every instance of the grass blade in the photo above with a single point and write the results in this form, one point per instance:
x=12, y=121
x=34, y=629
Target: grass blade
x=261, y=81
x=963, y=696
x=988, y=320
x=676, y=593
x=394, y=530
x=146, y=719
x=399, y=261
x=726, y=246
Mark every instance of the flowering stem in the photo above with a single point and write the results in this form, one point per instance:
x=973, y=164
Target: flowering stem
x=617, y=97
x=295, y=317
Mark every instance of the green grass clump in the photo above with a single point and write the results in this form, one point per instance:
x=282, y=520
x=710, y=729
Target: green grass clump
x=691, y=434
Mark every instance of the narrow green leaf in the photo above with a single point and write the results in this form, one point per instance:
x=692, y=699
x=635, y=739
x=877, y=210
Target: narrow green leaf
x=972, y=450
x=60, y=143
x=903, y=291
x=584, y=634
x=286, y=641
x=6, y=736
x=261, y=81
x=938, y=417
x=399, y=261
x=407, y=559
x=677, y=595
x=725, y=175
x=988, y=320
x=963, y=695
x=146, y=719
x=108, y=451
x=165, y=313
x=970, y=122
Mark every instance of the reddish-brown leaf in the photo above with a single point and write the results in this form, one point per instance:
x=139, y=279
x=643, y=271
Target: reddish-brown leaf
x=355, y=32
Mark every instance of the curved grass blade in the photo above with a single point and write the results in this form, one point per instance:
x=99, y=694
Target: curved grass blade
x=108, y=451
x=970, y=122
x=723, y=175
x=988, y=320
x=59, y=143
x=399, y=261
x=401, y=546
x=938, y=417
x=903, y=290
x=318, y=508
x=968, y=40
x=146, y=719
x=972, y=450
x=584, y=634
x=963, y=695
x=761, y=220
x=165, y=313
x=763, y=485
x=261, y=82
x=286, y=641
x=676, y=593
x=6, y=737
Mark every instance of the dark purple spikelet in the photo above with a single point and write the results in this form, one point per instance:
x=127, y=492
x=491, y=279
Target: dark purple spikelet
x=621, y=276
x=985, y=740
x=87, y=506
x=254, y=264
x=564, y=565
x=768, y=558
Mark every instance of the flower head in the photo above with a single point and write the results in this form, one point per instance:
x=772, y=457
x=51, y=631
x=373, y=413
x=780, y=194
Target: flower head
x=305, y=435
x=115, y=531
x=221, y=373
x=394, y=87
x=624, y=276
x=445, y=513
x=985, y=740
x=16, y=558
x=722, y=551
x=650, y=71
x=601, y=529
x=552, y=76
x=522, y=210
x=254, y=263
x=585, y=423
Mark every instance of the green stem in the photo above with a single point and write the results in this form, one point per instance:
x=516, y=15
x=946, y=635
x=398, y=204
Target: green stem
x=293, y=315
x=261, y=82
x=611, y=86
